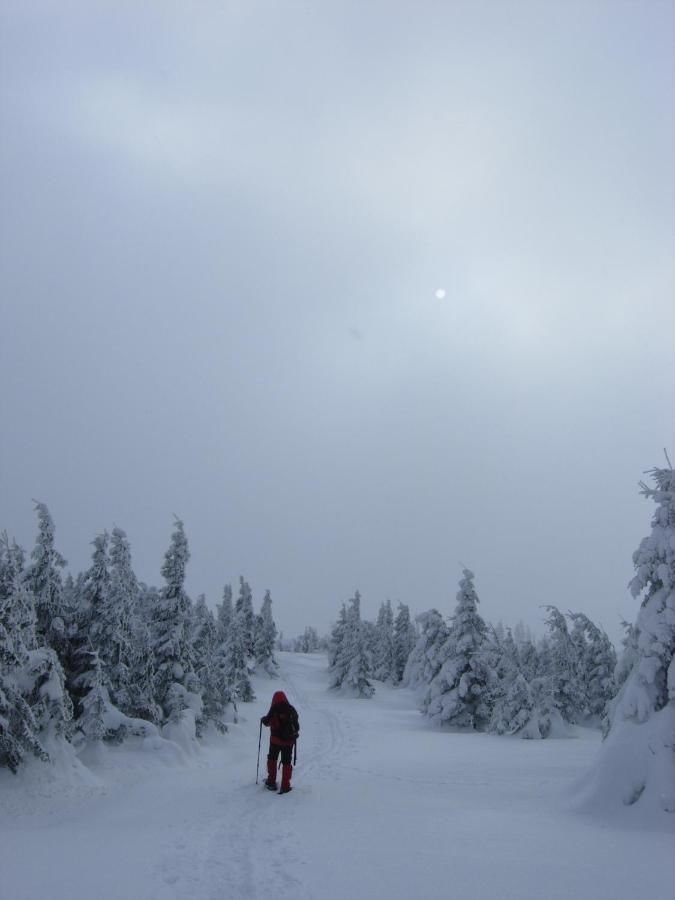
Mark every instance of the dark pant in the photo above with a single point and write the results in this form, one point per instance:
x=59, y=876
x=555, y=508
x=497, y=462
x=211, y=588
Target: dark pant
x=286, y=753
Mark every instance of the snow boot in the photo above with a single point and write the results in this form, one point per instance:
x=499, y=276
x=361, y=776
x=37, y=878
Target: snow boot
x=271, y=780
x=286, y=771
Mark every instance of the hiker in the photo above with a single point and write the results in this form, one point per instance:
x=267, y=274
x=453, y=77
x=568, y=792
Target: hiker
x=282, y=720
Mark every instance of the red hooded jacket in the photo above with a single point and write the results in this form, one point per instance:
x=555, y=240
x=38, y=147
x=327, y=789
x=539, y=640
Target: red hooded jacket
x=282, y=720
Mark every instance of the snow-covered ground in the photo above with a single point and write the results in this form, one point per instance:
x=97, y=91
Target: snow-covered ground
x=382, y=806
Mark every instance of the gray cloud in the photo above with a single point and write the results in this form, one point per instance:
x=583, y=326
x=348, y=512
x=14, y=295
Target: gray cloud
x=202, y=211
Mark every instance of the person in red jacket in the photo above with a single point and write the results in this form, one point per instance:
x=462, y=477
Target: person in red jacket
x=282, y=720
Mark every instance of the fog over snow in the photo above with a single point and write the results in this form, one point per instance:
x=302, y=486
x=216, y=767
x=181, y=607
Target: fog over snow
x=356, y=290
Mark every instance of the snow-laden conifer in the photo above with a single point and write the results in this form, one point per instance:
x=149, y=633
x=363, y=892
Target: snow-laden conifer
x=19, y=728
x=405, y=638
x=307, y=642
x=266, y=635
x=638, y=762
x=529, y=662
x=121, y=608
x=43, y=579
x=224, y=671
x=171, y=631
x=140, y=689
x=424, y=661
x=559, y=662
x=335, y=644
x=95, y=703
x=595, y=664
x=236, y=672
x=353, y=669
x=383, y=649
x=244, y=609
x=459, y=693
x=224, y=614
x=204, y=652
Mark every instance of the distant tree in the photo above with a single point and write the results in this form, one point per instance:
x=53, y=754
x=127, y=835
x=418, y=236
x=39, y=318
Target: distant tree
x=424, y=661
x=336, y=641
x=236, y=671
x=19, y=727
x=353, y=669
x=171, y=631
x=43, y=579
x=204, y=654
x=141, y=689
x=308, y=642
x=244, y=609
x=384, y=667
x=595, y=664
x=265, y=638
x=121, y=609
x=95, y=704
x=405, y=638
x=459, y=693
x=560, y=665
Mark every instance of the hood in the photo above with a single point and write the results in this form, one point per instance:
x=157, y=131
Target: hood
x=279, y=697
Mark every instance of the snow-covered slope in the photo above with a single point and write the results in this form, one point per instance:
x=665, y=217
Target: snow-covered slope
x=383, y=806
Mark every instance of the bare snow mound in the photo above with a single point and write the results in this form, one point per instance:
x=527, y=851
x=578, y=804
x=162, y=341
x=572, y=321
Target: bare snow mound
x=635, y=767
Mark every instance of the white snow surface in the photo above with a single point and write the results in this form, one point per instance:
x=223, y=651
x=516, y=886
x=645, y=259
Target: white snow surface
x=384, y=805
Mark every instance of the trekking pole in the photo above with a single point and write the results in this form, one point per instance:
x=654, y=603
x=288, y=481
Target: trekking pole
x=257, y=768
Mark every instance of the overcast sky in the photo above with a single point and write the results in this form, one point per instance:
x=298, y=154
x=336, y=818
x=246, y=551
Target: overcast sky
x=358, y=290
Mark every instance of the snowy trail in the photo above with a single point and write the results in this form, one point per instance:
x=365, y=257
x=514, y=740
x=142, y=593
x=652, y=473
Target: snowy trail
x=381, y=806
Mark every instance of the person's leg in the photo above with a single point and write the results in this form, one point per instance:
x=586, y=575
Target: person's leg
x=286, y=769
x=272, y=757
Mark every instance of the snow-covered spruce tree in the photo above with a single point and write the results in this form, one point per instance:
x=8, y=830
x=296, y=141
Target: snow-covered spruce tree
x=95, y=703
x=513, y=709
x=86, y=632
x=638, y=762
x=335, y=644
x=308, y=642
x=560, y=665
x=595, y=664
x=265, y=638
x=204, y=647
x=459, y=694
x=171, y=631
x=520, y=705
x=354, y=663
x=244, y=608
x=528, y=659
x=383, y=650
x=141, y=688
x=43, y=682
x=44, y=581
x=369, y=636
x=624, y=666
x=95, y=593
x=121, y=606
x=222, y=665
x=235, y=668
x=224, y=614
x=424, y=663
x=19, y=729
x=501, y=653
x=405, y=638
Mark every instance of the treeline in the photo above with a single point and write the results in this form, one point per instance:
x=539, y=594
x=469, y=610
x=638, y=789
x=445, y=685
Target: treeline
x=469, y=674
x=103, y=656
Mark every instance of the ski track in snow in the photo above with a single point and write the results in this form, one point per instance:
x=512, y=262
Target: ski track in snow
x=238, y=859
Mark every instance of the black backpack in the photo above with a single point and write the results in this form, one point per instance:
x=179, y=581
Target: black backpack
x=289, y=725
